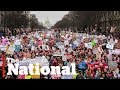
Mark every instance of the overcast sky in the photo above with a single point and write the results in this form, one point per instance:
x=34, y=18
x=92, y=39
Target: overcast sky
x=53, y=16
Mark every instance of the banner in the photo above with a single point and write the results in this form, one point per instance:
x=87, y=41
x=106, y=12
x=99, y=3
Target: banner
x=41, y=60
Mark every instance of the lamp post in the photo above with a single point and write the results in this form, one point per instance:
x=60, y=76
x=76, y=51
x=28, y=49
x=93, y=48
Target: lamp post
x=73, y=18
x=73, y=24
x=76, y=22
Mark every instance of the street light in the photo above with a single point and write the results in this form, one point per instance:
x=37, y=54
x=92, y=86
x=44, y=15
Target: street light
x=74, y=18
x=76, y=21
x=73, y=24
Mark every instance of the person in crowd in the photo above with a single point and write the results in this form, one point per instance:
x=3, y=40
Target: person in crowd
x=91, y=56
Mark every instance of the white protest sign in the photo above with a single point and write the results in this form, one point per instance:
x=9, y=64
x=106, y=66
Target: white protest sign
x=36, y=35
x=47, y=47
x=48, y=34
x=107, y=46
x=2, y=47
x=11, y=49
x=76, y=42
x=57, y=54
x=70, y=49
x=112, y=65
x=111, y=40
x=44, y=61
x=33, y=48
x=86, y=44
x=66, y=42
x=89, y=45
x=117, y=51
x=41, y=60
x=17, y=42
x=110, y=46
x=43, y=46
x=116, y=41
x=62, y=48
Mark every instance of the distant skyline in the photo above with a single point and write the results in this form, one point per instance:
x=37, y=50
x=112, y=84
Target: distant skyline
x=53, y=16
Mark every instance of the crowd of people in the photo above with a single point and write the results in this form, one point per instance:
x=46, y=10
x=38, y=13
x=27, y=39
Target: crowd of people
x=95, y=56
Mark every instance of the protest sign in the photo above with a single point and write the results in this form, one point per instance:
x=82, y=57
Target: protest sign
x=57, y=55
x=17, y=42
x=11, y=48
x=112, y=65
x=3, y=47
x=107, y=46
x=117, y=51
x=76, y=42
x=70, y=49
x=66, y=42
x=110, y=46
x=1, y=63
x=89, y=45
x=41, y=60
x=86, y=44
x=116, y=41
x=33, y=48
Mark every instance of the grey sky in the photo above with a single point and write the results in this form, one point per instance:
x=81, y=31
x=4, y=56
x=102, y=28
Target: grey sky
x=53, y=16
